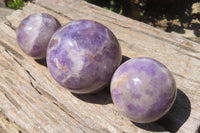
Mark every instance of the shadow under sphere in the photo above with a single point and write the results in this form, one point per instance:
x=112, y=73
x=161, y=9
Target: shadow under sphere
x=174, y=119
x=42, y=62
x=101, y=97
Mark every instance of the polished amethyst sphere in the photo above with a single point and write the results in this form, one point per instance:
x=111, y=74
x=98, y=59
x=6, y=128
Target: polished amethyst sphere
x=34, y=33
x=143, y=89
x=83, y=55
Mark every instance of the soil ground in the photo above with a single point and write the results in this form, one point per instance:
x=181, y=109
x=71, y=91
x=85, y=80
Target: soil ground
x=181, y=17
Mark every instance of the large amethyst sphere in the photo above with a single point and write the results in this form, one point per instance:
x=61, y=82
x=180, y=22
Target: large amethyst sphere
x=143, y=89
x=83, y=55
x=34, y=33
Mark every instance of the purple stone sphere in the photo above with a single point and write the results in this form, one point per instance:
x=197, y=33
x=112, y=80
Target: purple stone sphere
x=83, y=55
x=143, y=89
x=34, y=33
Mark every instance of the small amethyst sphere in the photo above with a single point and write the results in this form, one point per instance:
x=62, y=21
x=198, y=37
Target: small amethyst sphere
x=34, y=33
x=83, y=55
x=143, y=89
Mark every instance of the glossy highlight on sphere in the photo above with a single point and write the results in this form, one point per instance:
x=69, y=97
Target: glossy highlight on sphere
x=83, y=55
x=143, y=89
x=34, y=33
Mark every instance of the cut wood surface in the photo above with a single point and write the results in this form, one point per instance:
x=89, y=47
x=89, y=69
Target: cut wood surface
x=31, y=101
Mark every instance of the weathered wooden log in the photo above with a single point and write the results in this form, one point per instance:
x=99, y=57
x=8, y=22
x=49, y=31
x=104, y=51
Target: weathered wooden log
x=31, y=101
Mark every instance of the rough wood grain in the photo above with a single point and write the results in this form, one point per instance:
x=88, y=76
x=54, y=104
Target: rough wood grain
x=31, y=101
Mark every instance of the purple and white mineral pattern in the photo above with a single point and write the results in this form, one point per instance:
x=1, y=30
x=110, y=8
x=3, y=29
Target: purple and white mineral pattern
x=34, y=33
x=83, y=55
x=143, y=89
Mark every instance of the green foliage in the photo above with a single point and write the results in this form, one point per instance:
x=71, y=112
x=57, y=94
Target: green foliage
x=114, y=7
x=15, y=4
x=112, y=3
x=142, y=13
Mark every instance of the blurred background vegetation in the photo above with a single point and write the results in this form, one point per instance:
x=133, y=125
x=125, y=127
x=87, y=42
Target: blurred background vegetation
x=122, y=7
x=15, y=4
x=179, y=16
